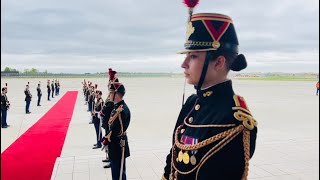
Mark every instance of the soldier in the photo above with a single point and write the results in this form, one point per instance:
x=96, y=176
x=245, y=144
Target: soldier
x=92, y=97
x=317, y=87
x=27, y=98
x=48, y=90
x=39, y=93
x=84, y=86
x=215, y=133
x=86, y=94
x=5, y=104
x=56, y=87
x=96, y=119
x=84, y=90
x=89, y=98
x=116, y=139
x=52, y=88
x=106, y=111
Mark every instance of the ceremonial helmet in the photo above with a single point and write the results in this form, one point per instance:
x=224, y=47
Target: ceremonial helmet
x=112, y=74
x=117, y=87
x=112, y=78
x=214, y=33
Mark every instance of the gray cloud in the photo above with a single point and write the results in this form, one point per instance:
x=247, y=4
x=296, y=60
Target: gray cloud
x=81, y=36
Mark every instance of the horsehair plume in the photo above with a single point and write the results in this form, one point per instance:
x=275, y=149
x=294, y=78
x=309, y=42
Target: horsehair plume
x=6, y=84
x=96, y=85
x=191, y=4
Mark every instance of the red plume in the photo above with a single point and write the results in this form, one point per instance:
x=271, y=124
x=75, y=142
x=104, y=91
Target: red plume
x=96, y=85
x=191, y=3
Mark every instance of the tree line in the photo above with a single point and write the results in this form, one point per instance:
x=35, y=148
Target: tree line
x=25, y=71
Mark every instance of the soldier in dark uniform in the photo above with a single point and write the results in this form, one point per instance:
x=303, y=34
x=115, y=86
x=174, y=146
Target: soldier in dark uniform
x=87, y=92
x=116, y=139
x=106, y=111
x=96, y=119
x=84, y=85
x=52, y=88
x=48, y=90
x=85, y=88
x=215, y=134
x=56, y=87
x=4, y=107
x=92, y=97
x=27, y=98
x=39, y=93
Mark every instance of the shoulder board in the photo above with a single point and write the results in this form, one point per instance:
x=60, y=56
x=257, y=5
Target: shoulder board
x=240, y=104
x=120, y=108
x=242, y=113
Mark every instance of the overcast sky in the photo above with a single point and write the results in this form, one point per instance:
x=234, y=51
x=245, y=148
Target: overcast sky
x=144, y=35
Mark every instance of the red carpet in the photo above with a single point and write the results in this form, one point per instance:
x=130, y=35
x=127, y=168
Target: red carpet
x=32, y=156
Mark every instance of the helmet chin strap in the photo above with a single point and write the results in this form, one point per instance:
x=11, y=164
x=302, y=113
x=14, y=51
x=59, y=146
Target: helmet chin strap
x=210, y=55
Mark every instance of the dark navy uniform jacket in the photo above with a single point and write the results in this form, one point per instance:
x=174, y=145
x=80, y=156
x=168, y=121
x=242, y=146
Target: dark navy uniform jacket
x=3, y=101
x=118, y=131
x=28, y=95
x=48, y=88
x=106, y=111
x=39, y=93
x=199, y=120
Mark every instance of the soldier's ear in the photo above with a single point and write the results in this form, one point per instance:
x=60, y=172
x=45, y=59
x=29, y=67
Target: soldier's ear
x=219, y=63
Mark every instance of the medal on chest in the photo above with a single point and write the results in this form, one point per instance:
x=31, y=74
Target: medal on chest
x=187, y=157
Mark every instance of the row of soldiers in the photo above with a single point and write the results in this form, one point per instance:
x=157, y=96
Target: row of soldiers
x=113, y=115
x=52, y=89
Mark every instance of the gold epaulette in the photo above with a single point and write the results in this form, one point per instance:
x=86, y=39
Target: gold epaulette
x=242, y=113
x=114, y=117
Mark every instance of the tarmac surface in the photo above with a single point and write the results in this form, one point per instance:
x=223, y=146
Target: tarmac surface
x=287, y=113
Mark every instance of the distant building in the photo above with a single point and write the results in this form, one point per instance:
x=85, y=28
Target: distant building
x=10, y=73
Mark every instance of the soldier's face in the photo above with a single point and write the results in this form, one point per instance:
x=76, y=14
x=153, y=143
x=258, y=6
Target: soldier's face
x=111, y=95
x=192, y=66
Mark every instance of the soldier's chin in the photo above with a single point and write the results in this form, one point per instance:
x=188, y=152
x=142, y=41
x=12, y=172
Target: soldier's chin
x=190, y=81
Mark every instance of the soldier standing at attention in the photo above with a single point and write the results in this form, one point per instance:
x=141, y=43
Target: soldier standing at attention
x=48, y=90
x=52, y=88
x=96, y=119
x=58, y=84
x=106, y=111
x=215, y=134
x=27, y=98
x=317, y=86
x=56, y=87
x=117, y=139
x=4, y=107
x=89, y=91
x=39, y=93
x=92, y=97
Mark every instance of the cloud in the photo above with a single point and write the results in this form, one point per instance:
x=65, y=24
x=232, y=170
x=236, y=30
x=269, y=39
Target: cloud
x=80, y=36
